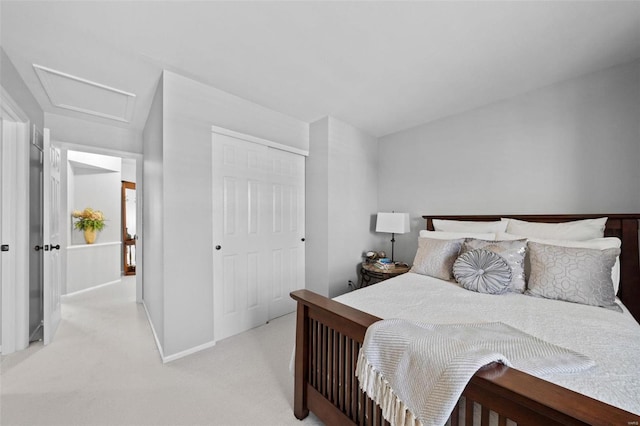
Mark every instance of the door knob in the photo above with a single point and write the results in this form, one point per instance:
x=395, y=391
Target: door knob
x=56, y=247
x=38, y=248
x=218, y=247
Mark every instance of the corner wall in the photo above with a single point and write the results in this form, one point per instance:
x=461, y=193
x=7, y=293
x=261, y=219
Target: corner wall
x=342, y=201
x=153, y=216
x=573, y=147
x=12, y=82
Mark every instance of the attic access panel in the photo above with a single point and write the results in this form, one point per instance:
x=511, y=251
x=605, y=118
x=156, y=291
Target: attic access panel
x=85, y=96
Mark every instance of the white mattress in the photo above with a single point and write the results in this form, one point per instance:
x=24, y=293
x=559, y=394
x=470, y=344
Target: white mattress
x=610, y=338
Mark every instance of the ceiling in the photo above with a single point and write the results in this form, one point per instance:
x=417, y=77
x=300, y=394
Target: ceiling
x=380, y=66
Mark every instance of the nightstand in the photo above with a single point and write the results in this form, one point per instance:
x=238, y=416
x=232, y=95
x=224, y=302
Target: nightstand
x=370, y=274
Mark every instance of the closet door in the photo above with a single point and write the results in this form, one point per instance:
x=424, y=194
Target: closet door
x=258, y=231
x=240, y=209
x=286, y=233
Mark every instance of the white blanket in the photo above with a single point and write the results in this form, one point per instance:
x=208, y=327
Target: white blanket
x=611, y=339
x=416, y=372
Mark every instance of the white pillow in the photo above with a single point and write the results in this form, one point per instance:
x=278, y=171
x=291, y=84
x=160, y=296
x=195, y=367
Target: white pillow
x=468, y=226
x=577, y=230
x=596, y=243
x=437, y=235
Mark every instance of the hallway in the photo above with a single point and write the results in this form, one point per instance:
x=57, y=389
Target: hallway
x=103, y=368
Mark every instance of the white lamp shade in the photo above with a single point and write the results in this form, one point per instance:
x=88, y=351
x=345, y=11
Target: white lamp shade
x=397, y=223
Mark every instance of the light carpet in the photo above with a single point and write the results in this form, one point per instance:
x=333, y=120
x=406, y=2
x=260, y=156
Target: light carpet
x=103, y=368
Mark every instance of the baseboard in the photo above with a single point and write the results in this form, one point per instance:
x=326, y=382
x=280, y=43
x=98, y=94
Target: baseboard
x=188, y=352
x=153, y=330
x=169, y=358
x=84, y=290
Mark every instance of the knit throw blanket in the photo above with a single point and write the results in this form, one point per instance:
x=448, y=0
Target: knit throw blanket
x=416, y=372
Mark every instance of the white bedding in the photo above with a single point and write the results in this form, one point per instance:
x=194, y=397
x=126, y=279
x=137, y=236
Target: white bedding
x=609, y=338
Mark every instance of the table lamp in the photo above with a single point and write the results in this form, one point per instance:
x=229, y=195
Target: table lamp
x=394, y=223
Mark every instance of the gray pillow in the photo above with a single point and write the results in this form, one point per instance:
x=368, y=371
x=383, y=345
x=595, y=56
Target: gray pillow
x=483, y=271
x=435, y=257
x=513, y=252
x=572, y=274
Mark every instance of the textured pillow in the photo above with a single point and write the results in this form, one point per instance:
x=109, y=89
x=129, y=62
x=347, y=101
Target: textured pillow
x=513, y=253
x=435, y=257
x=573, y=274
x=596, y=243
x=438, y=235
x=483, y=271
x=468, y=226
x=577, y=230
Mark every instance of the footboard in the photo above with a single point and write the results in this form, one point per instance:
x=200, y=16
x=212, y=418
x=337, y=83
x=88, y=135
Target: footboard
x=329, y=336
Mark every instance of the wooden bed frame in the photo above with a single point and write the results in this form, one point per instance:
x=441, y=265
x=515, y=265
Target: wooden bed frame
x=329, y=336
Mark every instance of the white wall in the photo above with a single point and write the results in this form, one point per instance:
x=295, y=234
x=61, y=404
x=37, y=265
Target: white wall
x=181, y=169
x=12, y=82
x=92, y=265
x=129, y=169
x=317, y=209
x=342, y=200
x=98, y=188
x=573, y=147
x=153, y=216
x=94, y=134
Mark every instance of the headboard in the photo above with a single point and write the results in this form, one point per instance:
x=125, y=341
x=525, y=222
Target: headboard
x=623, y=226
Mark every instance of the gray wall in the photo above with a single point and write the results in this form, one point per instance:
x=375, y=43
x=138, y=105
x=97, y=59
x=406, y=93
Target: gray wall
x=317, y=209
x=153, y=216
x=573, y=147
x=342, y=199
x=181, y=169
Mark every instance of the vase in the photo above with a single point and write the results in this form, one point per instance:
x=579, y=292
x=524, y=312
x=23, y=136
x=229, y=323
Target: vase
x=90, y=235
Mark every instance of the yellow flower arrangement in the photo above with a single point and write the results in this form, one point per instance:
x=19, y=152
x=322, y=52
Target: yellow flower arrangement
x=88, y=219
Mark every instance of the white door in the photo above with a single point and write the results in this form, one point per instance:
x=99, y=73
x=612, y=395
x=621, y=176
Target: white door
x=8, y=285
x=52, y=264
x=239, y=209
x=258, y=254
x=286, y=233
x=5, y=239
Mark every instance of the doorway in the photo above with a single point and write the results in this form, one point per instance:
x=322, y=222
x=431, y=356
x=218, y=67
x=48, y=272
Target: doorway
x=129, y=229
x=93, y=180
x=36, y=237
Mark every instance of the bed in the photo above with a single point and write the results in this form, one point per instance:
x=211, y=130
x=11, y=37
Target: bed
x=329, y=335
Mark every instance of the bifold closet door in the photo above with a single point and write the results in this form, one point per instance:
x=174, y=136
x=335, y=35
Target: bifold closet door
x=258, y=254
x=286, y=234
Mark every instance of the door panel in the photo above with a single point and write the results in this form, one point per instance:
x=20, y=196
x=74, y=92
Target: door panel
x=51, y=231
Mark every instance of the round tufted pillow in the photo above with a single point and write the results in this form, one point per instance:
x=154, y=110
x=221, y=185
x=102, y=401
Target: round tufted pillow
x=483, y=271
